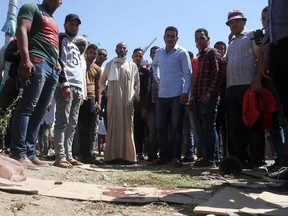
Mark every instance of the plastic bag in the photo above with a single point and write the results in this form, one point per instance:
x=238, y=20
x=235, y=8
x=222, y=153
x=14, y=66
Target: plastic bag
x=11, y=169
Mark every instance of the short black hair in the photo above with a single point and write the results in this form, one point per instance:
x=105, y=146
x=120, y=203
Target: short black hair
x=92, y=46
x=137, y=50
x=171, y=28
x=191, y=55
x=202, y=30
x=265, y=9
x=154, y=47
x=102, y=49
x=220, y=43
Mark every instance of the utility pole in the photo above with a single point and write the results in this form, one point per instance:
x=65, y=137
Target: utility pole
x=9, y=28
x=147, y=47
x=10, y=25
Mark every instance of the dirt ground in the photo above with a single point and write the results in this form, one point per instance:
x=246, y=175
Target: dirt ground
x=21, y=204
x=15, y=204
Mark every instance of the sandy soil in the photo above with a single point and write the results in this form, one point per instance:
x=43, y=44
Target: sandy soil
x=35, y=205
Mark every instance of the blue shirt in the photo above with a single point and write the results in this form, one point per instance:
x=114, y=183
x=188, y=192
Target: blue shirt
x=173, y=71
x=277, y=21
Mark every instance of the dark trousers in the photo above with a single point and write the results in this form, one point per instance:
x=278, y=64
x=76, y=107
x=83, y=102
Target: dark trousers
x=278, y=65
x=221, y=124
x=152, y=148
x=139, y=132
x=86, y=126
x=278, y=130
x=169, y=109
x=247, y=143
x=8, y=94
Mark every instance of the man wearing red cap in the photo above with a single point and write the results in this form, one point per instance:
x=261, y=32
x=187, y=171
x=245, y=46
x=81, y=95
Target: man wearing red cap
x=242, y=74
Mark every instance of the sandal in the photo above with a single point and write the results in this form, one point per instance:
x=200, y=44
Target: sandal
x=63, y=164
x=74, y=162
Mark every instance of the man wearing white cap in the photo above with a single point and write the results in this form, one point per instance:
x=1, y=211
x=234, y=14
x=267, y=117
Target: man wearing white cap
x=242, y=74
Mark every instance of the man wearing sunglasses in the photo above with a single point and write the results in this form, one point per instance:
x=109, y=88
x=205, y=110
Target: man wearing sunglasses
x=101, y=57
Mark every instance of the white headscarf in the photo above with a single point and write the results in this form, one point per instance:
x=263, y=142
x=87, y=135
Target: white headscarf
x=79, y=39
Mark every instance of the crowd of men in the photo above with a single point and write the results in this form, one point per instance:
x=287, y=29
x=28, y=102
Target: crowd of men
x=215, y=105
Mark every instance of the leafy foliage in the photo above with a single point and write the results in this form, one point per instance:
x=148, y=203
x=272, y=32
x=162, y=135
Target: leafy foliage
x=6, y=116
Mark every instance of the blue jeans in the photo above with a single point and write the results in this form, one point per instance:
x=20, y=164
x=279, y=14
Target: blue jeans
x=169, y=108
x=207, y=132
x=67, y=111
x=31, y=108
x=195, y=128
x=188, y=134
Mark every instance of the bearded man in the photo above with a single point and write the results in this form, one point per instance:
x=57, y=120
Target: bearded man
x=122, y=88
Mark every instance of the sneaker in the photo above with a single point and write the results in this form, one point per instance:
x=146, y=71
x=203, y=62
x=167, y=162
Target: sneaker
x=280, y=176
x=39, y=162
x=188, y=160
x=274, y=167
x=262, y=168
x=38, y=153
x=204, y=163
x=51, y=152
x=5, y=151
x=27, y=163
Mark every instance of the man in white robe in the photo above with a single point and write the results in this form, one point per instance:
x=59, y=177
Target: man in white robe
x=120, y=82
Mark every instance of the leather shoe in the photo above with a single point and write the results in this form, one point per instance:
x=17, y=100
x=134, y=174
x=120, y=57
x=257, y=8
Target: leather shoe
x=188, y=160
